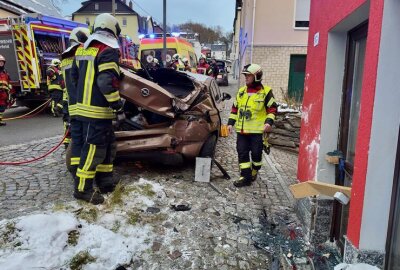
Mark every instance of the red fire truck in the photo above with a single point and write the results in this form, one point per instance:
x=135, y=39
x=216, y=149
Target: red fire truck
x=29, y=42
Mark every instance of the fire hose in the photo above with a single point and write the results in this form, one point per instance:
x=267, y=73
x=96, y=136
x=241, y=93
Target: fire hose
x=16, y=163
x=31, y=113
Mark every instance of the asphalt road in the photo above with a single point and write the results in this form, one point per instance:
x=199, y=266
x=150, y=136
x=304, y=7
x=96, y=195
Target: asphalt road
x=19, y=131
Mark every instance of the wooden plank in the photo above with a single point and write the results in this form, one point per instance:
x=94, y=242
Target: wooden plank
x=313, y=188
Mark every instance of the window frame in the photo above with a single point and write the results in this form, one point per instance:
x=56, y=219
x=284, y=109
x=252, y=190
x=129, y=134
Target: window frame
x=126, y=21
x=294, y=19
x=96, y=6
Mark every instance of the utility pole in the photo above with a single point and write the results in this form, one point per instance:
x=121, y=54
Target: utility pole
x=164, y=57
x=113, y=7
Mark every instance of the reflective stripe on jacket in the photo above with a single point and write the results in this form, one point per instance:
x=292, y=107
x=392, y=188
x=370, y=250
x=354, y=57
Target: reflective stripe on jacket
x=95, y=75
x=251, y=112
x=69, y=95
x=54, y=79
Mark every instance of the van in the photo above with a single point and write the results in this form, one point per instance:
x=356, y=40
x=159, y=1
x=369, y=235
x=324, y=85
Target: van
x=151, y=47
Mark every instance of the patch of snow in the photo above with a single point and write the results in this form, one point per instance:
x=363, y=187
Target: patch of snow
x=40, y=240
x=156, y=187
x=43, y=243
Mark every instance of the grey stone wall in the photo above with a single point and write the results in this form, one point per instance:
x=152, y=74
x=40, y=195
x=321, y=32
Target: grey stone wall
x=316, y=216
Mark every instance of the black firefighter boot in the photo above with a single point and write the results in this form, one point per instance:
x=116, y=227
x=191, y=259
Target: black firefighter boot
x=105, y=182
x=88, y=194
x=245, y=178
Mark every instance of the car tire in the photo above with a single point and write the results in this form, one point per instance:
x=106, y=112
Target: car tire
x=68, y=154
x=208, y=149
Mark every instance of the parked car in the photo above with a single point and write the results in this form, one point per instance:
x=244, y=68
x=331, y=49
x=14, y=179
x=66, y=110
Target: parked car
x=171, y=118
x=222, y=77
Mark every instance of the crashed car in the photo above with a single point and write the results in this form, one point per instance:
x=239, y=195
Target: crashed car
x=171, y=116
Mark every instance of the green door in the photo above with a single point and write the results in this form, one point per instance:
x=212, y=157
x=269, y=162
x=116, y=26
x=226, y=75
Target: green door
x=297, y=72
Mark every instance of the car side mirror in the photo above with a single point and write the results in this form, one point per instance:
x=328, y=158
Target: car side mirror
x=226, y=96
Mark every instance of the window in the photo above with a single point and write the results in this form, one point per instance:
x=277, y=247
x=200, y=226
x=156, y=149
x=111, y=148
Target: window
x=87, y=21
x=124, y=23
x=96, y=6
x=302, y=13
x=116, y=6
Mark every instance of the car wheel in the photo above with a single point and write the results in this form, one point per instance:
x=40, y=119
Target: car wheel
x=208, y=149
x=68, y=154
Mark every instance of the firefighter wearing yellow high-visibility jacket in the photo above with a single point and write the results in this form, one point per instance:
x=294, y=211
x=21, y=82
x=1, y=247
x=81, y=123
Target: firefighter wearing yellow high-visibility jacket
x=96, y=77
x=55, y=86
x=77, y=37
x=252, y=115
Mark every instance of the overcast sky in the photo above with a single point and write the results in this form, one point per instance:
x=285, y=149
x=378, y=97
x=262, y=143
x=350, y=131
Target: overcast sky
x=209, y=12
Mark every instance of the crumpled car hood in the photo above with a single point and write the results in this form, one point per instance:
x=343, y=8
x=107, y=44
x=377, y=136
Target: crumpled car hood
x=155, y=98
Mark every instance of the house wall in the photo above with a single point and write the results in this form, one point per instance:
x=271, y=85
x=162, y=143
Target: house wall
x=319, y=76
x=384, y=134
x=275, y=39
x=275, y=61
x=131, y=29
x=275, y=24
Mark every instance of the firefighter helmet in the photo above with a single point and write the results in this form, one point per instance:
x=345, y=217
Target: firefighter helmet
x=107, y=22
x=55, y=62
x=175, y=57
x=255, y=70
x=202, y=56
x=2, y=58
x=155, y=60
x=185, y=60
x=79, y=35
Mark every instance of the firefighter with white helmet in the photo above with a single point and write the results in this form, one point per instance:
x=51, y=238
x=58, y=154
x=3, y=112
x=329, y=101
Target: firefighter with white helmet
x=203, y=67
x=96, y=77
x=5, y=89
x=77, y=37
x=186, y=64
x=155, y=64
x=252, y=115
x=176, y=62
x=55, y=86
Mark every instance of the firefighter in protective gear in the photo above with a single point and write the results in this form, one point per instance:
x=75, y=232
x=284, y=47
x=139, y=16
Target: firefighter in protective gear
x=214, y=68
x=5, y=89
x=78, y=36
x=176, y=63
x=252, y=115
x=186, y=64
x=55, y=86
x=203, y=67
x=96, y=76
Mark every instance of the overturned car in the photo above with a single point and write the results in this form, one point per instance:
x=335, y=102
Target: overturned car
x=171, y=116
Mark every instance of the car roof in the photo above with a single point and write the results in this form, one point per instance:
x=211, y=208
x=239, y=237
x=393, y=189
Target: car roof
x=199, y=77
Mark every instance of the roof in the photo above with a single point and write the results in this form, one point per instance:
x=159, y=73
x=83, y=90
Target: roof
x=88, y=7
x=44, y=7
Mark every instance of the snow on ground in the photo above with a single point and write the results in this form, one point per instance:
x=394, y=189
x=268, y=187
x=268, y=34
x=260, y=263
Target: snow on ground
x=283, y=107
x=108, y=233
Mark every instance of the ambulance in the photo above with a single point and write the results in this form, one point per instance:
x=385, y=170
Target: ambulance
x=151, y=46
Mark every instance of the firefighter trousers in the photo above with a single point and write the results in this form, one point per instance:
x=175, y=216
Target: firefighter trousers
x=2, y=110
x=95, y=144
x=56, y=102
x=249, y=144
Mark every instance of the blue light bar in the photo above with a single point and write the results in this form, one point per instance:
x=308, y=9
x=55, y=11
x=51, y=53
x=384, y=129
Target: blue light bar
x=152, y=36
x=174, y=34
x=141, y=36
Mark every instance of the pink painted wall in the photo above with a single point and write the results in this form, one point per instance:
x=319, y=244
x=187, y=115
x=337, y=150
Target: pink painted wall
x=325, y=15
